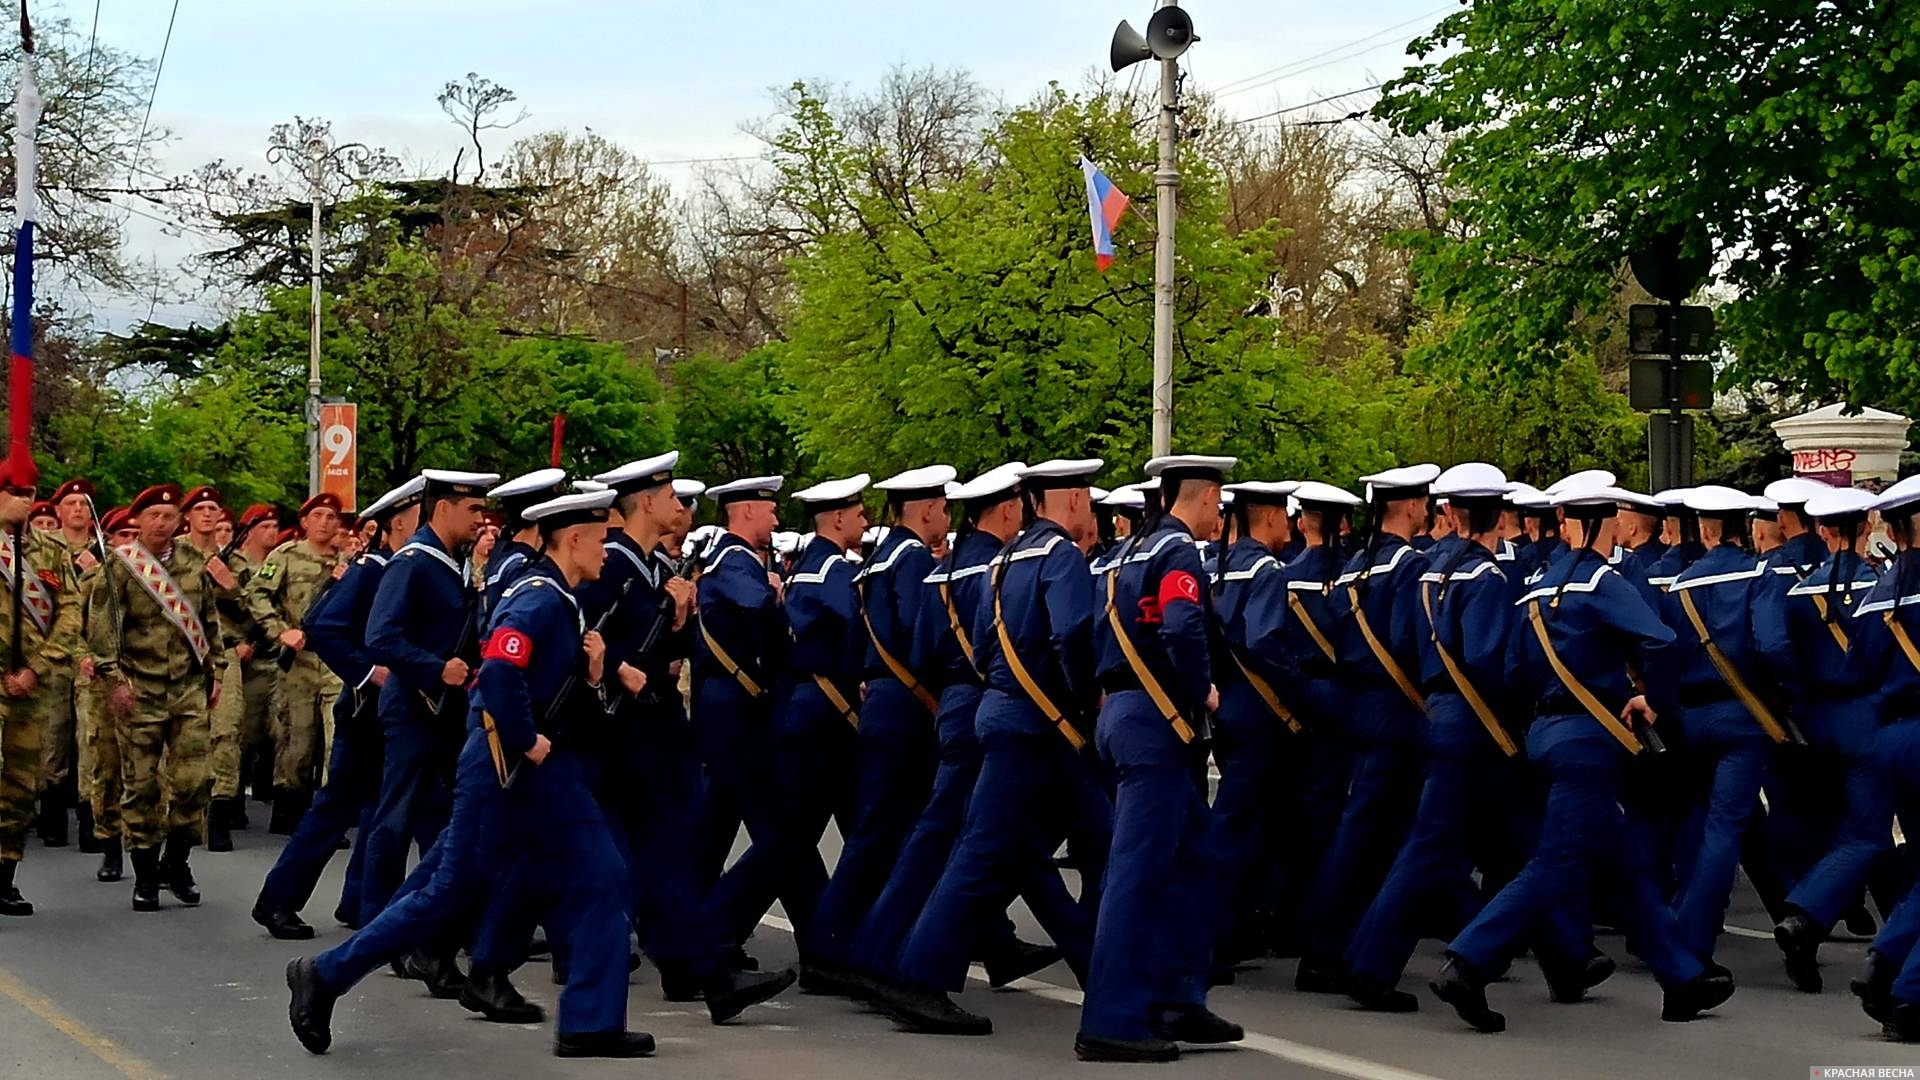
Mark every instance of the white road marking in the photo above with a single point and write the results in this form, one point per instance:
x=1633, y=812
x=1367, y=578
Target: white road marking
x=1313, y=1057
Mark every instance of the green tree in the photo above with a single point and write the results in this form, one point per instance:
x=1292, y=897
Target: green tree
x=727, y=416
x=1785, y=131
x=959, y=317
x=615, y=411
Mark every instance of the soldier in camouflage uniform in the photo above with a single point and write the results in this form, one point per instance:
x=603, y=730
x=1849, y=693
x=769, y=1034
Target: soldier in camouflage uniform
x=156, y=645
x=72, y=505
x=49, y=632
x=99, y=760
x=243, y=720
x=278, y=596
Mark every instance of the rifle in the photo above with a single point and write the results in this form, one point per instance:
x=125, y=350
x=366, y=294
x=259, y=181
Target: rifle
x=469, y=628
x=663, y=615
x=550, y=721
x=15, y=660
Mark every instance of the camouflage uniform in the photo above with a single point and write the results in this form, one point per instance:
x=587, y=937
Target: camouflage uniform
x=278, y=596
x=24, y=721
x=62, y=730
x=164, y=781
x=249, y=689
x=99, y=744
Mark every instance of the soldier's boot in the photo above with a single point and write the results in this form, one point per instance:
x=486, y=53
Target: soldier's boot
x=1013, y=960
x=279, y=922
x=1799, y=940
x=289, y=804
x=928, y=1012
x=1372, y=995
x=112, y=866
x=11, y=902
x=1193, y=1024
x=309, y=1006
x=1707, y=990
x=174, y=872
x=1874, y=986
x=89, y=841
x=218, y=815
x=439, y=971
x=491, y=994
x=53, y=818
x=603, y=1044
x=1466, y=990
x=733, y=992
x=237, y=812
x=1568, y=985
x=146, y=878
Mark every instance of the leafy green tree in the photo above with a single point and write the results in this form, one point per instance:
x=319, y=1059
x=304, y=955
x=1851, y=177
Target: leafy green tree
x=1785, y=131
x=962, y=319
x=614, y=408
x=727, y=418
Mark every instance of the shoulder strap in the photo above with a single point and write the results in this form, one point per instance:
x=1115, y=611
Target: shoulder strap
x=1901, y=636
x=726, y=662
x=1730, y=675
x=838, y=700
x=953, y=620
x=1621, y=733
x=1833, y=626
x=893, y=664
x=1299, y=609
x=1265, y=689
x=1141, y=672
x=1380, y=652
x=1025, y=678
x=1460, y=681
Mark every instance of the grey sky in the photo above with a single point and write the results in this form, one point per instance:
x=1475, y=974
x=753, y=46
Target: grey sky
x=669, y=81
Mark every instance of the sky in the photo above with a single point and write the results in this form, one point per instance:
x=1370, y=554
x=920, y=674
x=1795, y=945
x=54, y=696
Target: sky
x=669, y=81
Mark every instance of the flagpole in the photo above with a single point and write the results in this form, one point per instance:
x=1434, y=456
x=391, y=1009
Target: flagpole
x=21, y=473
x=1166, y=184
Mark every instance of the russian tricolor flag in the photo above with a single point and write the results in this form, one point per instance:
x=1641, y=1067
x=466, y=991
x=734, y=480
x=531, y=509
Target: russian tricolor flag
x=1105, y=204
x=26, y=157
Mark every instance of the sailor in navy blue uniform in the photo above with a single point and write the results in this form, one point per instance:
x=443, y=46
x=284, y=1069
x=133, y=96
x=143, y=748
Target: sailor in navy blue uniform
x=335, y=632
x=1716, y=685
x=1641, y=517
x=1577, y=638
x=1476, y=801
x=518, y=547
x=1033, y=643
x=941, y=656
x=898, y=745
x=1680, y=531
x=1542, y=532
x=1307, y=642
x=1155, y=664
x=1885, y=651
x=422, y=628
x=521, y=800
x=815, y=755
x=739, y=674
x=1259, y=727
x=1805, y=634
x=1374, y=604
x=1783, y=837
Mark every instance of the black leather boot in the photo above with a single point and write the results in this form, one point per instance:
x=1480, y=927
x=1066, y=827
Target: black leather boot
x=1569, y=985
x=1014, y=959
x=309, y=1006
x=89, y=841
x=53, y=818
x=1375, y=996
x=440, y=973
x=146, y=878
x=218, y=816
x=1704, y=991
x=1799, y=940
x=1139, y=1051
x=11, y=902
x=1461, y=987
x=112, y=866
x=1193, y=1024
x=281, y=923
x=603, y=1044
x=732, y=993
x=492, y=995
x=175, y=875
x=929, y=1012
x=288, y=806
x=1874, y=985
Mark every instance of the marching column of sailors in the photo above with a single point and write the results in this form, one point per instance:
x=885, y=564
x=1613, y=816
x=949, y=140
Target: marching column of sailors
x=1505, y=715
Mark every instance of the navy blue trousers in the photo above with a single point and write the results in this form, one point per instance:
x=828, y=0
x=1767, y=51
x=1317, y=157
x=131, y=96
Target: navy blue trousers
x=1034, y=789
x=343, y=802
x=1154, y=937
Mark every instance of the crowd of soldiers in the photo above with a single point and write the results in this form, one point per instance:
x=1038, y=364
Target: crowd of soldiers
x=1491, y=714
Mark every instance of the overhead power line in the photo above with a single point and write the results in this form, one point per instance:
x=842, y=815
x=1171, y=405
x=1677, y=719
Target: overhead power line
x=154, y=90
x=1308, y=105
x=1307, y=63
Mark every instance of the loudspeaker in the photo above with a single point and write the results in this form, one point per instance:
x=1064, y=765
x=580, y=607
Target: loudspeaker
x=1168, y=34
x=1128, y=48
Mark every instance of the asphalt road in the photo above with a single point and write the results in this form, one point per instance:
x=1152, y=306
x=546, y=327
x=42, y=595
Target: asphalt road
x=89, y=989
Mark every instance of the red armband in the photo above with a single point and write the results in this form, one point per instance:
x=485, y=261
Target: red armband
x=1179, y=585
x=510, y=645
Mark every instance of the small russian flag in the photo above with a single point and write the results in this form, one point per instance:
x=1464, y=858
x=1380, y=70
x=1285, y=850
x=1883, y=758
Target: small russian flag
x=1105, y=204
